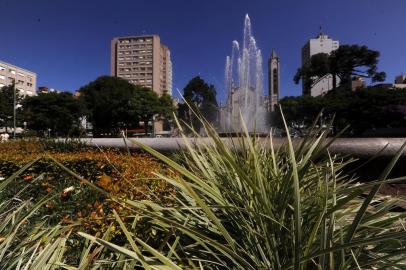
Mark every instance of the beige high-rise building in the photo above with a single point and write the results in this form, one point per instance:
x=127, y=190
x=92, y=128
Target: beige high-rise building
x=142, y=60
x=26, y=81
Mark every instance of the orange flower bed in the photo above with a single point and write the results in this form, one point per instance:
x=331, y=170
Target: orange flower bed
x=128, y=177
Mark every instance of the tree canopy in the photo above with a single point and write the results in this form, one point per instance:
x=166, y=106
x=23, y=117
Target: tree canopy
x=108, y=104
x=57, y=113
x=114, y=104
x=201, y=97
x=146, y=104
x=6, y=105
x=344, y=63
x=365, y=111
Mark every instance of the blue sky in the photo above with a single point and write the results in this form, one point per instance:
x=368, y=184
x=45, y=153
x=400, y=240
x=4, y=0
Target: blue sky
x=67, y=42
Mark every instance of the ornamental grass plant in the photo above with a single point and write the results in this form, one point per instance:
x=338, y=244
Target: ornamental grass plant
x=240, y=205
x=243, y=205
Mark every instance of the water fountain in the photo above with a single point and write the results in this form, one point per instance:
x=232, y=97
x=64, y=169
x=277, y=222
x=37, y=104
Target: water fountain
x=244, y=87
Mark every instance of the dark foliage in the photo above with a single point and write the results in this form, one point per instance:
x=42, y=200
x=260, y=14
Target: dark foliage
x=6, y=106
x=108, y=102
x=56, y=113
x=344, y=63
x=201, y=98
x=366, y=111
x=114, y=104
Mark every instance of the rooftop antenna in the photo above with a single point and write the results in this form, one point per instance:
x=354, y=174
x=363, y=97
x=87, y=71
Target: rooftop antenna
x=321, y=30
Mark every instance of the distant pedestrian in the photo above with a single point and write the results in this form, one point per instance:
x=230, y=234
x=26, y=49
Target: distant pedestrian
x=4, y=137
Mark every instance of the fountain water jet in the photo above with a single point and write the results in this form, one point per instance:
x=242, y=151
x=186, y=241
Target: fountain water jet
x=244, y=87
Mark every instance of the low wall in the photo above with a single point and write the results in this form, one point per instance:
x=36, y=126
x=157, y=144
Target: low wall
x=356, y=147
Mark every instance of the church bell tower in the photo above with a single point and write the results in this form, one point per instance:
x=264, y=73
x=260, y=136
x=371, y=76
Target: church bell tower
x=274, y=81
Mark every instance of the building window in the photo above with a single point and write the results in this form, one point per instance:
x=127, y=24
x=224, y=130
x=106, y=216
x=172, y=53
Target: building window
x=2, y=77
x=2, y=68
x=12, y=71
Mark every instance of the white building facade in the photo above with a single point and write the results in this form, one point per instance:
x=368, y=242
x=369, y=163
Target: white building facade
x=26, y=81
x=321, y=44
x=401, y=79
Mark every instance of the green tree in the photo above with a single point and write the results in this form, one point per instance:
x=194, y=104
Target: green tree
x=167, y=110
x=6, y=105
x=201, y=98
x=114, y=104
x=167, y=106
x=58, y=112
x=300, y=112
x=108, y=104
x=364, y=111
x=145, y=104
x=344, y=63
x=314, y=70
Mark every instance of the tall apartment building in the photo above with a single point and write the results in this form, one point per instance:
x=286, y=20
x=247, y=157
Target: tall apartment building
x=274, y=80
x=142, y=60
x=321, y=44
x=26, y=81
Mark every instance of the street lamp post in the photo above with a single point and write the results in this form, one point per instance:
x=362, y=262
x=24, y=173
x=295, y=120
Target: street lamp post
x=153, y=126
x=14, y=109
